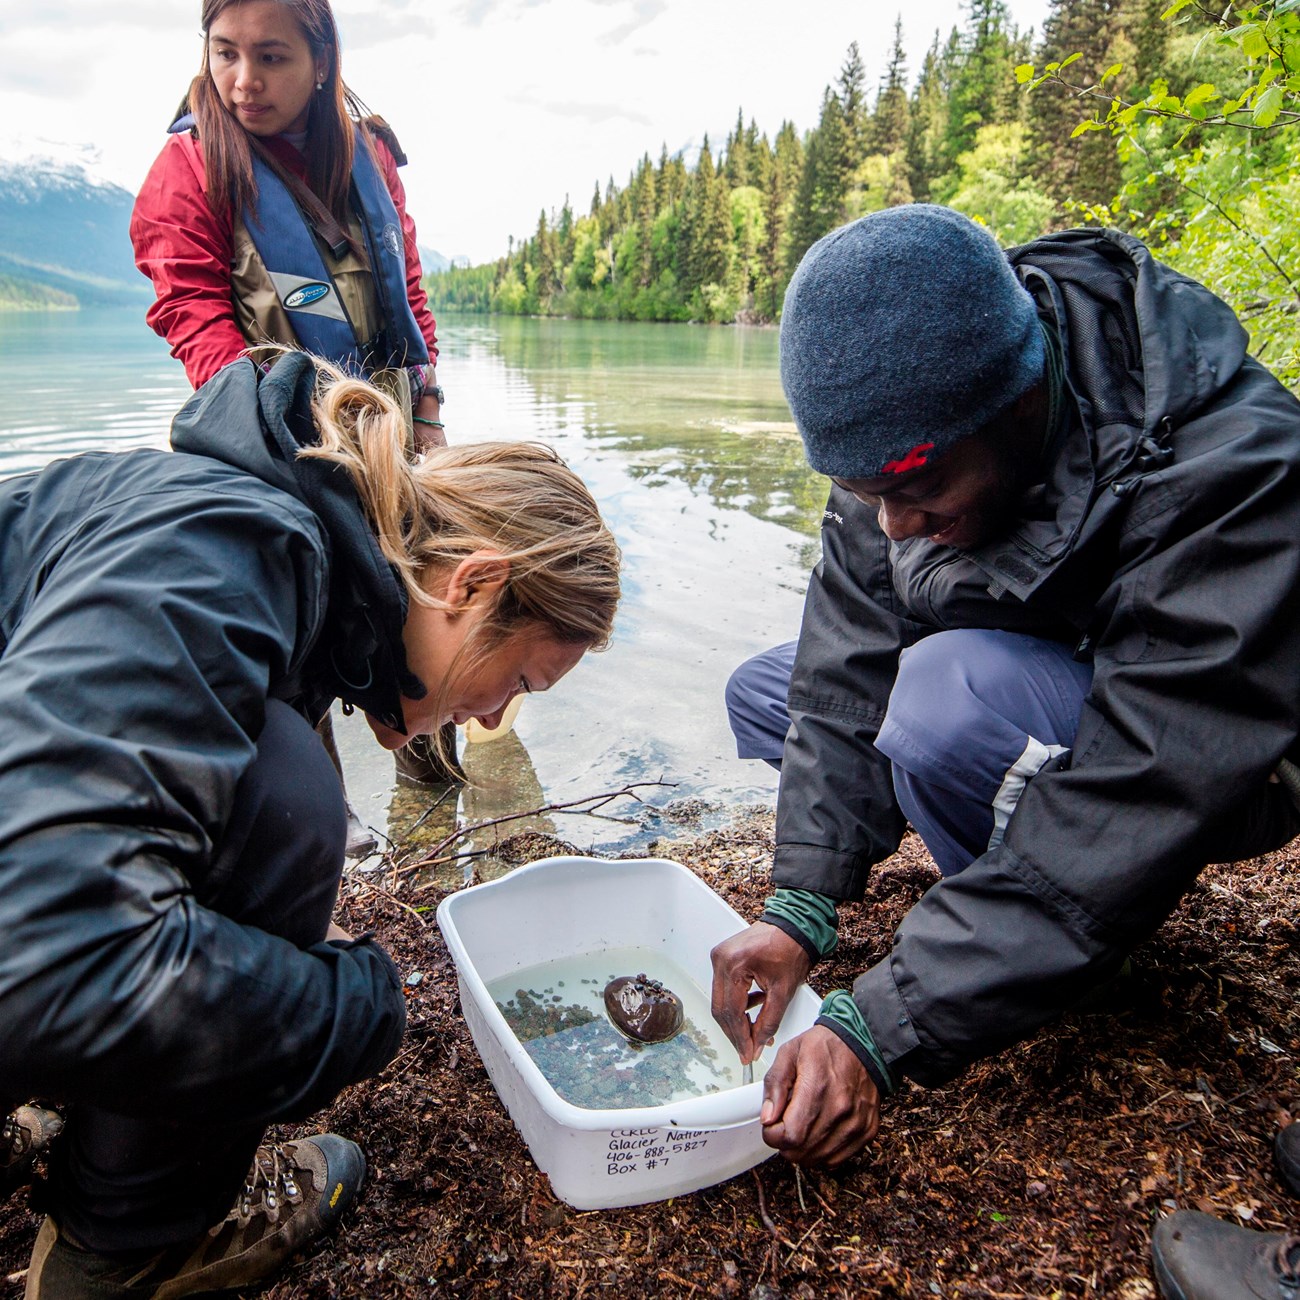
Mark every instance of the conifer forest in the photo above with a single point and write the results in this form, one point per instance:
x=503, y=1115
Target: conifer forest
x=1178, y=122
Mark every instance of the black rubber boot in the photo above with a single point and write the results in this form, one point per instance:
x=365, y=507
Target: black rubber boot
x=1199, y=1257
x=420, y=763
x=1287, y=1151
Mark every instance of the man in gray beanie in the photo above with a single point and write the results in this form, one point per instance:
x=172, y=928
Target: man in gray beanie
x=1053, y=628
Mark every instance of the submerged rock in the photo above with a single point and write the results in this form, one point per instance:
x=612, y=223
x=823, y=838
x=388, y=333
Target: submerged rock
x=642, y=1009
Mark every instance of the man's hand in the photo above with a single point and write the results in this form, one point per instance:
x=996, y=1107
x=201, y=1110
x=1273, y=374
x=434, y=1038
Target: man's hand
x=819, y=1104
x=762, y=955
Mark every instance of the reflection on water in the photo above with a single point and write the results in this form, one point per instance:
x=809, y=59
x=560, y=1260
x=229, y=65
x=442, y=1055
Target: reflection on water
x=76, y=381
x=701, y=406
x=685, y=440
x=502, y=784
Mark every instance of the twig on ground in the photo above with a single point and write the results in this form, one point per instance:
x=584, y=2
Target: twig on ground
x=762, y=1208
x=597, y=801
x=415, y=825
x=795, y=1248
x=361, y=882
x=666, y=1276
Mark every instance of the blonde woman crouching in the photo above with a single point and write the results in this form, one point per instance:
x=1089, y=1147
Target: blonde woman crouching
x=171, y=830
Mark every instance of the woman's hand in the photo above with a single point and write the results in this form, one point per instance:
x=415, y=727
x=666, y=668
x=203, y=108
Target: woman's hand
x=428, y=435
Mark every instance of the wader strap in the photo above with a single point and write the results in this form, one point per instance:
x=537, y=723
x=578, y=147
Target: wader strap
x=318, y=216
x=294, y=258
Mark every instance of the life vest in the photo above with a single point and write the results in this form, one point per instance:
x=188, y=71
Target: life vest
x=335, y=306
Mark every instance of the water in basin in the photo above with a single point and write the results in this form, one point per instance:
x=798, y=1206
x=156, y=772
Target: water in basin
x=557, y=1012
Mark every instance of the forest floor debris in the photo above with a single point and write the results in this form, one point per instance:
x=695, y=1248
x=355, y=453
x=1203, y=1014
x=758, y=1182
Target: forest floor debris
x=1039, y=1174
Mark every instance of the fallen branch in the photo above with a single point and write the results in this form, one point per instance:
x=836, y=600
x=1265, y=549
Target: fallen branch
x=362, y=883
x=597, y=801
x=762, y=1208
x=415, y=825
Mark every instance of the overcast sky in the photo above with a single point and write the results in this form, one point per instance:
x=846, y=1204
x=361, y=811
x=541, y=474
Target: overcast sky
x=504, y=106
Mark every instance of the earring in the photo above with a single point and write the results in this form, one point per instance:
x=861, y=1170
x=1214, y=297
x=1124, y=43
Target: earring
x=320, y=85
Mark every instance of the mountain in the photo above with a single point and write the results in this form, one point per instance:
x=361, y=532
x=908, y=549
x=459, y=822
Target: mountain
x=63, y=229
x=431, y=260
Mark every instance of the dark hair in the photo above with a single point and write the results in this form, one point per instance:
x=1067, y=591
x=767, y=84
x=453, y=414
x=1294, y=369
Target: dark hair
x=227, y=148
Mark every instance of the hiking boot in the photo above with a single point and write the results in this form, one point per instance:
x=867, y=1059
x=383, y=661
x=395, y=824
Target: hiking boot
x=1199, y=1257
x=361, y=841
x=419, y=762
x=1286, y=1149
x=296, y=1192
x=25, y=1133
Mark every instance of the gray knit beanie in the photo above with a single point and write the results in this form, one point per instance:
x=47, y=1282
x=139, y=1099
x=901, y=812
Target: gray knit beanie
x=903, y=333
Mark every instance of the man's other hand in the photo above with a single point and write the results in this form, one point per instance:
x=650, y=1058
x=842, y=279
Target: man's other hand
x=819, y=1104
x=762, y=955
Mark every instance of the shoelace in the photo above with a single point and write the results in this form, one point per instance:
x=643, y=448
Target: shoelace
x=1286, y=1260
x=14, y=1141
x=272, y=1183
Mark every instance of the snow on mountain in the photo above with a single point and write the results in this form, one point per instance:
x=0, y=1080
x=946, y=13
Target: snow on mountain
x=63, y=223
x=37, y=165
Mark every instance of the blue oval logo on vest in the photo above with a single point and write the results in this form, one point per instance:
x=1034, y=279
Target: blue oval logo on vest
x=392, y=238
x=305, y=295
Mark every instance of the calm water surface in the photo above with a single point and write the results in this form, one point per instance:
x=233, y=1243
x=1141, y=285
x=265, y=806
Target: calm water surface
x=686, y=442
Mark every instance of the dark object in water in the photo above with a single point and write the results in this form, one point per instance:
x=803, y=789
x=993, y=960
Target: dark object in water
x=642, y=1010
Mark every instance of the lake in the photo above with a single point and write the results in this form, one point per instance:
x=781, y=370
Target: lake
x=684, y=437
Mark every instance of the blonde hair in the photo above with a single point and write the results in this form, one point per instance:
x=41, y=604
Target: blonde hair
x=517, y=499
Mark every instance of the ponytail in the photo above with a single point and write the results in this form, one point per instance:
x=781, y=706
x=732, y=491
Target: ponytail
x=516, y=499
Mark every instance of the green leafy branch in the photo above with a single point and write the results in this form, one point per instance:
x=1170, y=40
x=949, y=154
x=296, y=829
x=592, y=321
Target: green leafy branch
x=1267, y=38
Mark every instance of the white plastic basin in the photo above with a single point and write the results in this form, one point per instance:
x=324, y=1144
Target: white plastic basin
x=559, y=908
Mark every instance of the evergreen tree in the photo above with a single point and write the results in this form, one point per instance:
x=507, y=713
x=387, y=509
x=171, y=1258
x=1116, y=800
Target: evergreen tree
x=723, y=236
x=694, y=202
x=1104, y=33
x=760, y=157
x=889, y=128
x=984, y=88
x=564, y=235
x=711, y=246
x=819, y=200
x=736, y=167
x=853, y=107
x=544, y=264
x=787, y=166
x=646, y=209
x=928, y=118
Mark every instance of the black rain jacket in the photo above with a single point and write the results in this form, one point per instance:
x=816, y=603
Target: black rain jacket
x=1164, y=542
x=150, y=604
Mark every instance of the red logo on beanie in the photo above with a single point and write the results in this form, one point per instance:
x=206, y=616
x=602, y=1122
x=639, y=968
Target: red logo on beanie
x=913, y=460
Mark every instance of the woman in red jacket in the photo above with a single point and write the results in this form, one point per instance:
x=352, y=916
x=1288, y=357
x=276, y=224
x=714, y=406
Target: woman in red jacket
x=270, y=101
x=274, y=215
